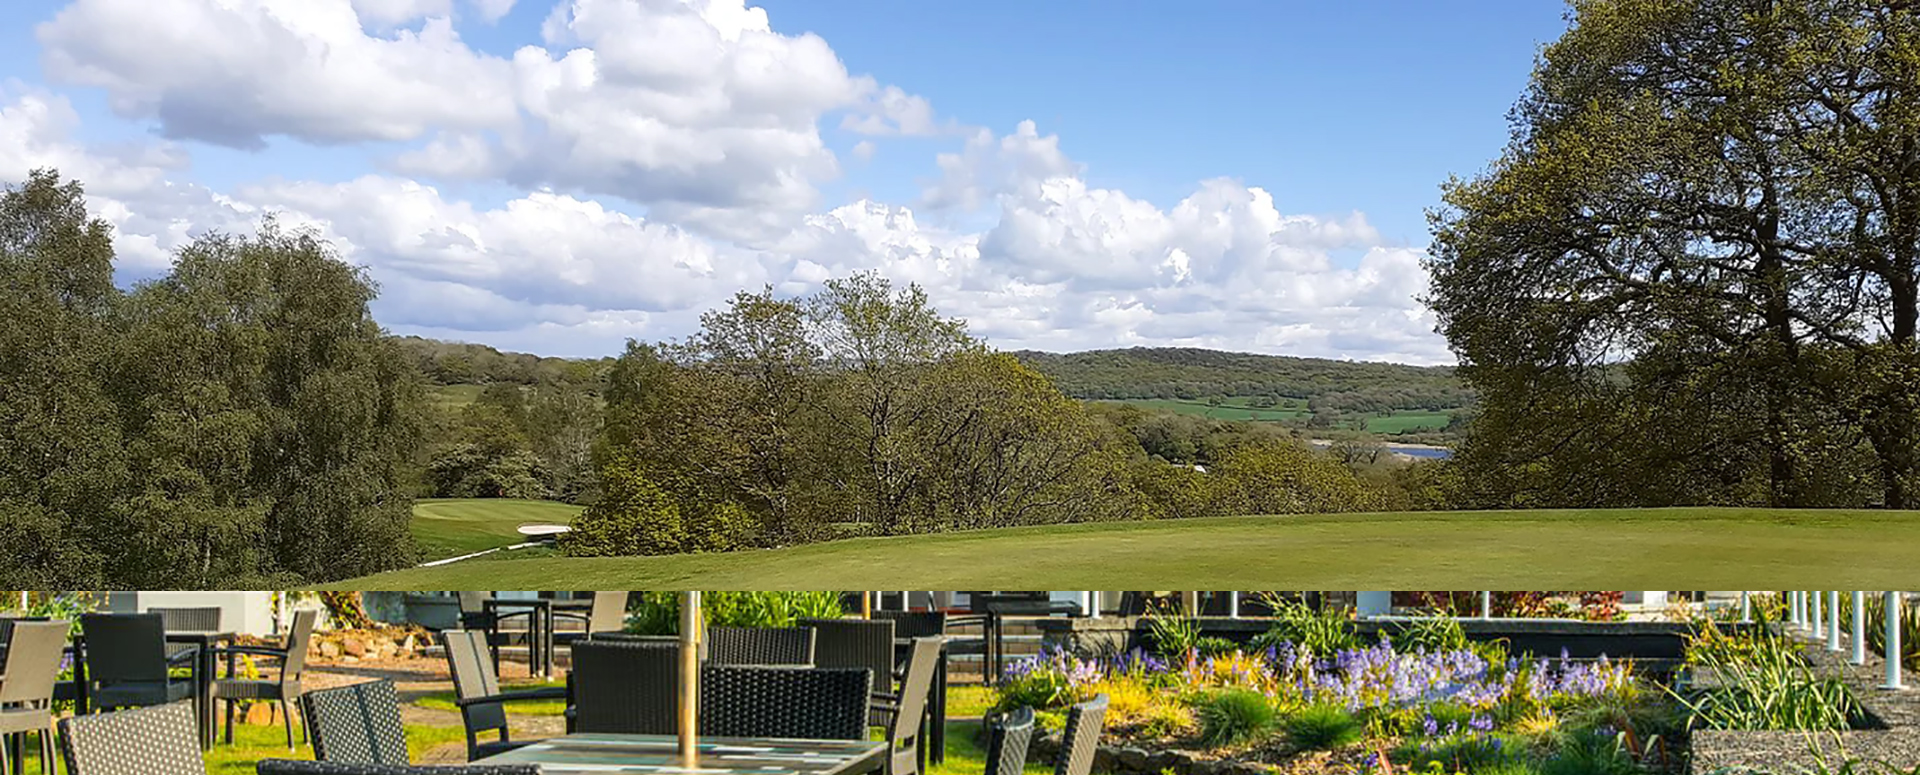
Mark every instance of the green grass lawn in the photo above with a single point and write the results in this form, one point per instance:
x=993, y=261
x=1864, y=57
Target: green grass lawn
x=1408, y=420
x=452, y=527
x=444, y=700
x=1692, y=548
x=1237, y=408
x=454, y=397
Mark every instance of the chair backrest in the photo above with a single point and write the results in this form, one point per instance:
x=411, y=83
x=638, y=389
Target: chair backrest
x=124, y=647
x=473, y=602
x=302, y=767
x=1008, y=739
x=472, y=668
x=625, y=686
x=356, y=724
x=915, y=624
x=760, y=646
x=794, y=702
x=157, y=740
x=33, y=659
x=923, y=659
x=864, y=643
x=1081, y=737
x=197, y=619
x=299, y=640
x=609, y=612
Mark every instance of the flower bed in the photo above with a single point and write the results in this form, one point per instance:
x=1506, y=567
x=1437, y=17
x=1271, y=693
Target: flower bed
x=1372, y=708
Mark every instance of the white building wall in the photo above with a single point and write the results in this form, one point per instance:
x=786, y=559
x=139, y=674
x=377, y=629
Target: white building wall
x=247, y=613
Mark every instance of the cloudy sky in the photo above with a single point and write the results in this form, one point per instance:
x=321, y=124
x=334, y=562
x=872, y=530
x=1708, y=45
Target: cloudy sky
x=557, y=177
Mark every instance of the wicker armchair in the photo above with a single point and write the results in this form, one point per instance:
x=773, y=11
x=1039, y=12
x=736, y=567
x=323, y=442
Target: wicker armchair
x=357, y=724
x=284, y=688
x=791, y=646
x=866, y=643
x=158, y=740
x=293, y=767
x=1081, y=737
x=907, y=710
x=1008, y=738
x=793, y=702
x=26, y=686
x=625, y=686
x=483, y=706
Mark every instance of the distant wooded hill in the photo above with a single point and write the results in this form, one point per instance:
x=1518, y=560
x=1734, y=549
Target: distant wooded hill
x=1193, y=373
x=1139, y=373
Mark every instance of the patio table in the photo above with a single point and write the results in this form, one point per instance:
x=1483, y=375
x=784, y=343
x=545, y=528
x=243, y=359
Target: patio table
x=660, y=755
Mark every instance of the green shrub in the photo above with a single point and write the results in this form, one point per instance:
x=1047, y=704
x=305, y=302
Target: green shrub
x=1431, y=634
x=1173, y=636
x=1324, y=633
x=1214, y=647
x=1322, y=727
x=1762, y=684
x=1592, y=753
x=658, y=613
x=1234, y=717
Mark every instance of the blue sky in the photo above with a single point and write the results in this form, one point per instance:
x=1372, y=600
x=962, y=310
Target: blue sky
x=1243, y=175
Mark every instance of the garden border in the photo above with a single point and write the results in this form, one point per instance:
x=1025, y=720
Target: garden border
x=1896, y=741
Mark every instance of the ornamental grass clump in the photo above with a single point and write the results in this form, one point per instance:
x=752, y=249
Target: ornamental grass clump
x=1235, y=717
x=1323, y=727
x=1762, y=684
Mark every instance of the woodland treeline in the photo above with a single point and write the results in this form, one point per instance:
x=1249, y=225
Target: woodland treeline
x=1189, y=373
x=243, y=421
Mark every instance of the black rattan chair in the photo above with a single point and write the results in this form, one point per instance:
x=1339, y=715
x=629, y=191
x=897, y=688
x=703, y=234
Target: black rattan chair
x=158, y=740
x=483, y=706
x=299, y=767
x=790, y=646
x=26, y=688
x=791, y=702
x=866, y=643
x=625, y=686
x=283, y=688
x=128, y=662
x=201, y=619
x=1081, y=737
x=1008, y=739
x=357, y=724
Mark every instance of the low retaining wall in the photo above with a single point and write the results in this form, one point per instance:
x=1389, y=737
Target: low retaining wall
x=1895, y=742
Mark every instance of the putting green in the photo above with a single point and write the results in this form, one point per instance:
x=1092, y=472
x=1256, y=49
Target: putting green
x=1694, y=548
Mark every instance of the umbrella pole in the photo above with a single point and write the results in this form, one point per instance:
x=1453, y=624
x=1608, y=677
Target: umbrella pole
x=690, y=631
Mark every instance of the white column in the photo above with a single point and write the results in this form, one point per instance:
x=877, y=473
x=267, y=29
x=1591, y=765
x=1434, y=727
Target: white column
x=1859, y=627
x=1796, y=609
x=1815, y=621
x=1486, y=605
x=1894, y=603
x=1373, y=603
x=1087, y=606
x=1833, y=621
x=1746, y=606
x=1233, y=605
